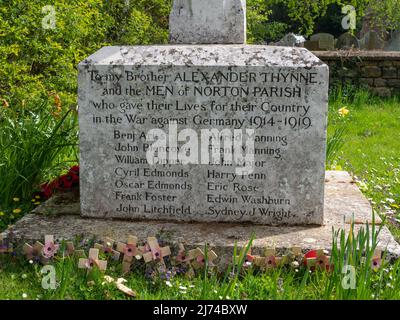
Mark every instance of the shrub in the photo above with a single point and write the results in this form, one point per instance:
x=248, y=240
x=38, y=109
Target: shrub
x=36, y=60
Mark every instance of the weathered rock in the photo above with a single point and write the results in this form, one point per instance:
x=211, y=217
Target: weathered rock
x=395, y=83
x=208, y=22
x=389, y=72
x=371, y=71
x=382, y=91
x=394, y=42
x=378, y=82
x=273, y=96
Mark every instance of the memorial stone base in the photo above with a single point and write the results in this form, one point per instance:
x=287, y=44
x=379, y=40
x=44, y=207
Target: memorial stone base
x=60, y=216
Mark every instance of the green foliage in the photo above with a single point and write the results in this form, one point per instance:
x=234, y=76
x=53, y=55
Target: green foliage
x=370, y=148
x=335, y=142
x=36, y=60
x=306, y=14
x=141, y=22
x=257, y=16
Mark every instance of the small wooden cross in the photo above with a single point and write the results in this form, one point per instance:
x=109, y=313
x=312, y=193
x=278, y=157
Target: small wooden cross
x=182, y=256
x=269, y=260
x=93, y=261
x=248, y=260
x=156, y=253
x=130, y=251
x=33, y=252
x=5, y=246
x=294, y=252
x=70, y=250
x=50, y=248
x=376, y=261
x=320, y=261
x=108, y=248
x=198, y=258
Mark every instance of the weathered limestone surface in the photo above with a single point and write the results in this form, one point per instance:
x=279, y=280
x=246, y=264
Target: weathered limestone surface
x=343, y=200
x=208, y=21
x=278, y=93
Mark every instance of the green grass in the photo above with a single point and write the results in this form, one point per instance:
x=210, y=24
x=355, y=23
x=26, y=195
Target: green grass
x=21, y=280
x=36, y=141
x=371, y=149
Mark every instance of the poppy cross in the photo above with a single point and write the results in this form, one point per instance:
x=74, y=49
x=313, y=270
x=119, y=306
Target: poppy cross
x=93, y=261
x=155, y=252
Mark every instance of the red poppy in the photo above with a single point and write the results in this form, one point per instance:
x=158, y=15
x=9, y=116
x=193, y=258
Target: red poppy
x=74, y=170
x=91, y=263
x=249, y=258
x=270, y=262
x=376, y=263
x=130, y=250
x=320, y=261
x=65, y=182
x=181, y=257
x=49, y=250
x=48, y=188
x=201, y=260
x=156, y=254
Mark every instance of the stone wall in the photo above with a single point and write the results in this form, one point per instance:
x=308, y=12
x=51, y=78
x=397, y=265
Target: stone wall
x=378, y=71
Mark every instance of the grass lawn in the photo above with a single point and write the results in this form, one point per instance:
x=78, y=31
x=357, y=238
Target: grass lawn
x=23, y=280
x=370, y=150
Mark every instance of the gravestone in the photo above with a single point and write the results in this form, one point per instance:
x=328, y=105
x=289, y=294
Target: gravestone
x=312, y=45
x=347, y=41
x=291, y=40
x=394, y=42
x=215, y=133
x=208, y=21
x=326, y=41
x=372, y=41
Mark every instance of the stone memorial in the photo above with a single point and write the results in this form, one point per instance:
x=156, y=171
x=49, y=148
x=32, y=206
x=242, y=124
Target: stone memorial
x=326, y=41
x=232, y=133
x=208, y=21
